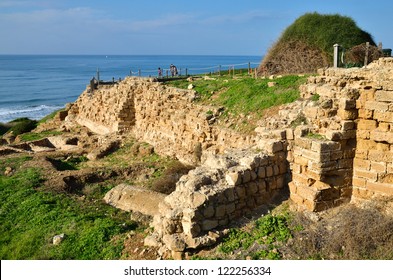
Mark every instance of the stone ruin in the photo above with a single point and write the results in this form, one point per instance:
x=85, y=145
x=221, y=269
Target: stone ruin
x=342, y=152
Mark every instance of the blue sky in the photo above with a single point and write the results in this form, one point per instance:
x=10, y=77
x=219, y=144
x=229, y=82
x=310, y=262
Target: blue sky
x=247, y=27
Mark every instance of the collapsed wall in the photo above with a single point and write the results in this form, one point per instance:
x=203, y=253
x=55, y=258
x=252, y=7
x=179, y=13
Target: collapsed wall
x=224, y=188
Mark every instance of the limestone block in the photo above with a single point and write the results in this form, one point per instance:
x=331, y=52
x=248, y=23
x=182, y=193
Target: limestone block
x=316, y=156
x=384, y=95
x=246, y=176
x=380, y=136
x=365, y=114
x=271, y=146
x=174, y=242
x=251, y=188
x=345, y=163
x=230, y=208
x=347, y=125
x=230, y=194
x=296, y=168
x=271, y=183
x=335, y=155
x=377, y=106
x=233, y=178
x=269, y=171
x=361, y=163
x=261, y=186
x=324, y=146
x=351, y=114
x=241, y=192
x=253, y=175
x=308, y=193
x=301, y=131
x=198, y=199
x=250, y=161
x=303, y=142
x=385, y=188
x=290, y=134
x=368, y=175
x=220, y=211
x=208, y=212
x=209, y=224
x=385, y=127
x=384, y=116
x=283, y=167
x=309, y=205
x=367, y=124
x=296, y=198
x=191, y=229
x=347, y=104
x=251, y=202
x=280, y=182
x=378, y=167
x=380, y=156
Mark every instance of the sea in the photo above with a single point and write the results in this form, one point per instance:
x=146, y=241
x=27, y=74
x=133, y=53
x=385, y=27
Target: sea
x=34, y=86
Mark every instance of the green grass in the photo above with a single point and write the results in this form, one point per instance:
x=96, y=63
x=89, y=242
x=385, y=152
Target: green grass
x=268, y=230
x=323, y=31
x=253, y=96
x=245, y=95
x=33, y=136
x=22, y=125
x=49, y=117
x=29, y=218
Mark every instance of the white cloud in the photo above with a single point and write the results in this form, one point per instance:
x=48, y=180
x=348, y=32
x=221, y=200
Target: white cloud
x=54, y=30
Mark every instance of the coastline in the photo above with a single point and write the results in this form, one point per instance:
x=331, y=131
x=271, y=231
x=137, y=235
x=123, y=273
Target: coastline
x=34, y=86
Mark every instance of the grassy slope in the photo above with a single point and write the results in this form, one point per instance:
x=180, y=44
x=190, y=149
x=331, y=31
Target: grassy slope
x=245, y=96
x=29, y=218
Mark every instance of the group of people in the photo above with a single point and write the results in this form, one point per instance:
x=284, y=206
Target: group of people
x=172, y=69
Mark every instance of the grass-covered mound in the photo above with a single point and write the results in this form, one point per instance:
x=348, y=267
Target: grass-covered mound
x=307, y=44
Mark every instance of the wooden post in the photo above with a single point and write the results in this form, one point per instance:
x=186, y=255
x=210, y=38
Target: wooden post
x=219, y=70
x=249, y=67
x=366, y=56
x=186, y=72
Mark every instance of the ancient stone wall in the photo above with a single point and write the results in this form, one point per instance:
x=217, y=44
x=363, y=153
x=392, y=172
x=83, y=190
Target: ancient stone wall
x=164, y=117
x=224, y=188
x=353, y=119
x=343, y=152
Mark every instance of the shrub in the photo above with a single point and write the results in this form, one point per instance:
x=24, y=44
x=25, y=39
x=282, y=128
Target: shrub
x=307, y=44
x=22, y=125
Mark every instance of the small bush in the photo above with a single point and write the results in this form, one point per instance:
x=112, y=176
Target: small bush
x=307, y=44
x=23, y=125
x=268, y=231
x=353, y=234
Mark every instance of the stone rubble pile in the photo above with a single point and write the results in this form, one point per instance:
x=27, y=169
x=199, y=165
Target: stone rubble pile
x=224, y=188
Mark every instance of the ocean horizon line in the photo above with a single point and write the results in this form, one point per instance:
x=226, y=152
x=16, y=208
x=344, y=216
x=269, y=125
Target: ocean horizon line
x=43, y=54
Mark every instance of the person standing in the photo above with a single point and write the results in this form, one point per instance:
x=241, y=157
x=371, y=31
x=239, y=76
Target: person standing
x=172, y=69
x=159, y=72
